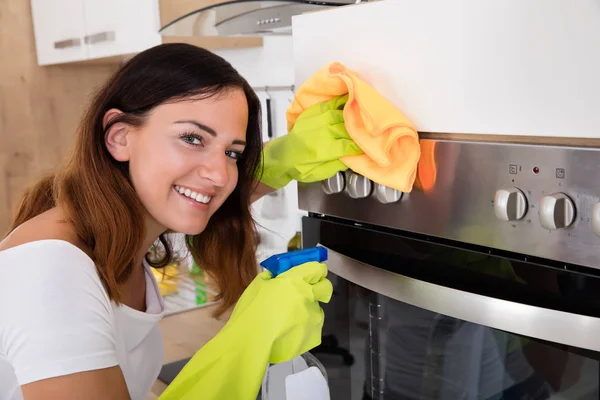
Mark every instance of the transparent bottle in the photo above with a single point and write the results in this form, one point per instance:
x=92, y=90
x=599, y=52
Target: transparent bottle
x=311, y=384
x=274, y=382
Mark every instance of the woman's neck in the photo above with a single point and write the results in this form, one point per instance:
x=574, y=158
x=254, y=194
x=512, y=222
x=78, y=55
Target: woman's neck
x=134, y=290
x=153, y=231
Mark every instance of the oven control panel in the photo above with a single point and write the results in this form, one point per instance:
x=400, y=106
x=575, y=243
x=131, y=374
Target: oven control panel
x=529, y=199
x=556, y=210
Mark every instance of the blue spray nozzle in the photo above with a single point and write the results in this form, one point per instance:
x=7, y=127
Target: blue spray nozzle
x=279, y=263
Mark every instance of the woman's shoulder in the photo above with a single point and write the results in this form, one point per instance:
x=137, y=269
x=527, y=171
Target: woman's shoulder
x=50, y=279
x=47, y=250
x=47, y=247
x=49, y=230
x=50, y=292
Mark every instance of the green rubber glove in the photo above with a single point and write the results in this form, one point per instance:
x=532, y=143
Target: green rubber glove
x=311, y=151
x=275, y=320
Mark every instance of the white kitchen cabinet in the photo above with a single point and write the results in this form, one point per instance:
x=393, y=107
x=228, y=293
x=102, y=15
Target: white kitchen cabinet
x=59, y=30
x=79, y=30
x=106, y=31
x=120, y=27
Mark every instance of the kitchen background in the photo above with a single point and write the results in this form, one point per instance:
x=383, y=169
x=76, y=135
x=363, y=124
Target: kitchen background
x=40, y=107
x=511, y=114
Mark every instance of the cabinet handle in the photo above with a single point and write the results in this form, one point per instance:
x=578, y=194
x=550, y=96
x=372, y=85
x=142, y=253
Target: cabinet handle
x=108, y=36
x=63, y=44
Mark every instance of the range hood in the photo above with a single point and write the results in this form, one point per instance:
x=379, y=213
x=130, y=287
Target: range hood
x=245, y=18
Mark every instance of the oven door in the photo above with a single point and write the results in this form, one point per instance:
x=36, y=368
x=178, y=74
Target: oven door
x=411, y=318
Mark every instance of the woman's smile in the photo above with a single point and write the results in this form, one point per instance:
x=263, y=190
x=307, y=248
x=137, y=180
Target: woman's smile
x=191, y=194
x=196, y=200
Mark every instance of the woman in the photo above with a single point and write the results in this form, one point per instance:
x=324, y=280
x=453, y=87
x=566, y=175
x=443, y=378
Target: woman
x=171, y=143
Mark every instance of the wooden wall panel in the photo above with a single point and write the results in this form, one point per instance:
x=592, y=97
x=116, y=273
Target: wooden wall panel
x=40, y=107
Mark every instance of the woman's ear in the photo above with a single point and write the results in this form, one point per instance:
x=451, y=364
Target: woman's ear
x=115, y=137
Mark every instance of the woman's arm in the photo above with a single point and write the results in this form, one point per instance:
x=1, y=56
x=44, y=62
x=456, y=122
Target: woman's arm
x=275, y=320
x=60, y=339
x=260, y=191
x=100, y=384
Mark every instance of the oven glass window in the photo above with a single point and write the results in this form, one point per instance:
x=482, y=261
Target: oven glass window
x=375, y=347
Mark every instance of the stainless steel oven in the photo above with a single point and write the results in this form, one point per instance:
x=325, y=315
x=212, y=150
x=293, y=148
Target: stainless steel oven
x=483, y=286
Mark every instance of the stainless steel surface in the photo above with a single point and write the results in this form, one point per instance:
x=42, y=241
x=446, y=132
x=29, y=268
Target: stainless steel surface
x=335, y=184
x=63, y=44
x=387, y=195
x=510, y=204
x=460, y=206
x=556, y=211
x=358, y=186
x=233, y=18
x=270, y=20
x=596, y=219
x=546, y=324
x=108, y=36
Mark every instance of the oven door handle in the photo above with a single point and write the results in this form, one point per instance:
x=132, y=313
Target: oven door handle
x=536, y=322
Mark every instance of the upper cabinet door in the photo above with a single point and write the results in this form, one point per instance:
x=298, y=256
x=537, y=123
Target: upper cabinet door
x=143, y=33
x=102, y=36
x=59, y=30
x=118, y=27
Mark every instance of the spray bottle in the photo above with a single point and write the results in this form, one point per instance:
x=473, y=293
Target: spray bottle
x=304, y=377
x=279, y=263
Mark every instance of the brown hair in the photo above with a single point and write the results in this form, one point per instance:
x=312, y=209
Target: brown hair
x=95, y=192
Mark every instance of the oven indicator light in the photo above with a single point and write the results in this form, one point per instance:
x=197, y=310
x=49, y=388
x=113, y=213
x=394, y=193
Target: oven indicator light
x=536, y=170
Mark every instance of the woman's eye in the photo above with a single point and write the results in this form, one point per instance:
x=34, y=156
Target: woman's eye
x=194, y=140
x=236, y=155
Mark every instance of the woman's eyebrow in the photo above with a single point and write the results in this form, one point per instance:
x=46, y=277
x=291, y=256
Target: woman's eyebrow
x=205, y=128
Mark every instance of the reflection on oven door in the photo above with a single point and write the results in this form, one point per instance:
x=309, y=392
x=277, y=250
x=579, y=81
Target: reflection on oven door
x=375, y=347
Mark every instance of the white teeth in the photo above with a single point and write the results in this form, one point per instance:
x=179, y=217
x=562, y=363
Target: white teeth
x=202, y=199
x=193, y=195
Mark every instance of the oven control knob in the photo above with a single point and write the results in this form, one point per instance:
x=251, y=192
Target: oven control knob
x=556, y=211
x=359, y=187
x=386, y=194
x=335, y=184
x=510, y=204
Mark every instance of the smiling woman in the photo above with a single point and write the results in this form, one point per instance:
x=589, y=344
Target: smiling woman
x=171, y=143
x=197, y=159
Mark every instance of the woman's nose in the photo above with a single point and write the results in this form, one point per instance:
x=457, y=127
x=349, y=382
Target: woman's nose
x=214, y=168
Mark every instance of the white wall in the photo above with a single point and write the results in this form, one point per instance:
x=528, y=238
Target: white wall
x=272, y=65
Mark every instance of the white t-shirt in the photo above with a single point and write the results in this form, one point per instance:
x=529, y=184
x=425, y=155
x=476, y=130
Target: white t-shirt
x=56, y=319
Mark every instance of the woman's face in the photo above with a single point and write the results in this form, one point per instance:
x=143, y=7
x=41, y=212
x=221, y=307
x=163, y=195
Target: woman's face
x=183, y=160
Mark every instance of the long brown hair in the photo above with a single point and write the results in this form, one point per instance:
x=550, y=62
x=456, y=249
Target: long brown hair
x=96, y=194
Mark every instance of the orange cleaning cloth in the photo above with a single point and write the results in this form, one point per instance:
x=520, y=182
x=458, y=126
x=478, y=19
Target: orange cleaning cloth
x=389, y=140
x=427, y=169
